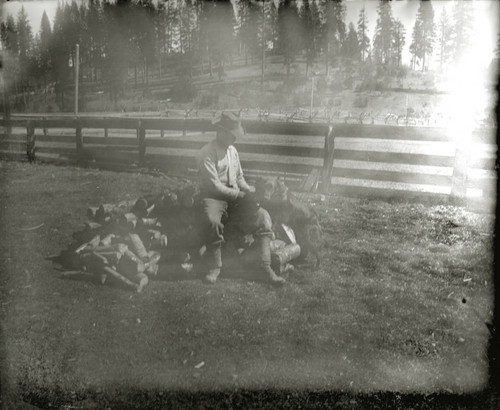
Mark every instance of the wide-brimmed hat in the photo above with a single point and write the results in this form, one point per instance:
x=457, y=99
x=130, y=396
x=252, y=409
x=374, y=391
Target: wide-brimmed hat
x=229, y=122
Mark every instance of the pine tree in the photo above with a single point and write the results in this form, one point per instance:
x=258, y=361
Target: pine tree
x=10, y=66
x=217, y=33
x=334, y=32
x=364, y=40
x=118, y=49
x=24, y=37
x=423, y=33
x=398, y=42
x=8, y=35
x=143, y=35
x=350, y=48
x=96, y=37
x=44, y=60
x=382, y=43
x=248, y=29
x=463, y=17
x=309, y=24
x=289, y=33
x=444, y=38
x=59, y=55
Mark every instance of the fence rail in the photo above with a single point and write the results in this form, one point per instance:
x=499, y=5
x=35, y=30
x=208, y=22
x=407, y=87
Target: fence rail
x=344, y=158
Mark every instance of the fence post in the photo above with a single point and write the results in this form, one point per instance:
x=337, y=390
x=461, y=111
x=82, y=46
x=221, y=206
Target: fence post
x=78, y=139
x=141, y=135
x=460, y=170
x=45, y=131
x=30, y=141
x=328, y=155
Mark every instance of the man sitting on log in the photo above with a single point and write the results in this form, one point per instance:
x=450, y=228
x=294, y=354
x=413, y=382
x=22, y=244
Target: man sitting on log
x=223, y=189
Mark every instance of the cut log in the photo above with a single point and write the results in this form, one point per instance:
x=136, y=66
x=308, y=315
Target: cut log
x=143, y=281
x=91, y=212
x=149, y=221
x=69, y=273
x=277, y=244
x=129, y=220
x=106, y=241
x=92, y=225
x=138, y=247
x=130, y=264
x=119, y=277
x=281, y=257
x=117, y=247
x=92, y=244
x=158, y=240
x=113, y=258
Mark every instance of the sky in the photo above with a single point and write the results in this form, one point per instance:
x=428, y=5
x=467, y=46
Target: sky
x=484, y=37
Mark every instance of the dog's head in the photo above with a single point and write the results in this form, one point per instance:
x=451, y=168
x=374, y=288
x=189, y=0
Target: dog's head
x=271, y=189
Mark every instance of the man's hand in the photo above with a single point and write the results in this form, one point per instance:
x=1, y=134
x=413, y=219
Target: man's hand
x=241, y=194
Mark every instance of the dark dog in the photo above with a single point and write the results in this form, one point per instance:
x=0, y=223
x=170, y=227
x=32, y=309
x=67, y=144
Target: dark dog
x=285, y=208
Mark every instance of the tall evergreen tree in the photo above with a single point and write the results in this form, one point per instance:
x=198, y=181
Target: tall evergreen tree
x=8, y=35
x=351, y=49
x=44, y=60
x=10, y=67
x=248, y=29
x=364, y=40
x=118, y=50
x=444, y=38
x=382, y=43
x=423, y=33
x=309, y=22
x=24, y=37
x=59, y=55
x=289, y=33
x=334, y=32
x=96, y=37
x=463, y=23
x=398, y=42
x=26, y=57
x=217, y=32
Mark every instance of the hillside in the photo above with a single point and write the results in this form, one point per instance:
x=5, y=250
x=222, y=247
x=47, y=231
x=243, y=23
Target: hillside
x=345, y=95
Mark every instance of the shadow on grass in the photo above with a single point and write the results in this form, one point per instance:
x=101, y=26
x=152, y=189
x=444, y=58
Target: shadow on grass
x=123, y=397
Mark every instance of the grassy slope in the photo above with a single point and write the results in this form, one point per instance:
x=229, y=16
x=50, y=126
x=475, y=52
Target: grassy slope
x=388, y=310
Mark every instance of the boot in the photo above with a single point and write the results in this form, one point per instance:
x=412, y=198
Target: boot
x=264, y=248
x=214, y=262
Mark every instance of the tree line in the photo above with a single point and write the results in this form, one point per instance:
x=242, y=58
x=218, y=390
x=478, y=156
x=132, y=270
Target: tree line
x=134, y=41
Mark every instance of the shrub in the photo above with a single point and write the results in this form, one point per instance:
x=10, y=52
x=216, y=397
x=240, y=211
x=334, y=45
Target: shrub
x=207, y=99
x=334, y=102
x=360, y=101
x=183, y=91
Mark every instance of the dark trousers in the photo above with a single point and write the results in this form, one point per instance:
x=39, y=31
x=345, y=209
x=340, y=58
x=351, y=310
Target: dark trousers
x=219, y=216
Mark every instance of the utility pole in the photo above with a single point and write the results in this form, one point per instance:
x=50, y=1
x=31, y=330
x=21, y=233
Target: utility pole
x=77, y=66
x=312, y=99
x=263, y=44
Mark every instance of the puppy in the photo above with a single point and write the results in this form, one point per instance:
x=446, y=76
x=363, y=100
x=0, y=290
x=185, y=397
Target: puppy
x=284, y=208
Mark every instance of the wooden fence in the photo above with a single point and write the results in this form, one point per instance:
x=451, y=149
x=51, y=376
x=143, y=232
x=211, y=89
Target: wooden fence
x=349, y=159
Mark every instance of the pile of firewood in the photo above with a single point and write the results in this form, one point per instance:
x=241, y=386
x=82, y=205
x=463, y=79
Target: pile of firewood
x=126, y=241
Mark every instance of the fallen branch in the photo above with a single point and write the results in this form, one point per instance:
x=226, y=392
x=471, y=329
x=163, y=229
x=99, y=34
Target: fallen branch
x=33, y=228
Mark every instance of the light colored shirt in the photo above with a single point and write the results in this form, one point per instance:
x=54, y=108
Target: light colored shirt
x=220, y=172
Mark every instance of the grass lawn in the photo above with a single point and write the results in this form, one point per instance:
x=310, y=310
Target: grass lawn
x=398, y=305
